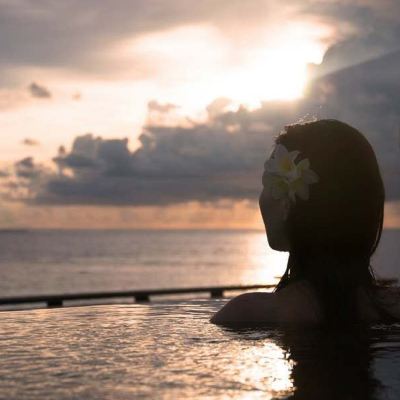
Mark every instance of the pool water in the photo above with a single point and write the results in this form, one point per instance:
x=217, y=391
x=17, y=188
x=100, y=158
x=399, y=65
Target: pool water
x=169, y=350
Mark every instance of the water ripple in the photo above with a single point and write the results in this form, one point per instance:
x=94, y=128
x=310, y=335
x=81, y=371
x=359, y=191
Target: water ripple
x=170, y=350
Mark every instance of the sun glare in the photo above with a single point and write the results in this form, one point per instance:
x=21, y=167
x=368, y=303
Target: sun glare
x=196, y=64
x=275, y=74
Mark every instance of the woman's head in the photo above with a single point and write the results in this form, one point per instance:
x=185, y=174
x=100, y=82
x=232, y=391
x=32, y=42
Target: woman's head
x=337, y=229
x=344, y=210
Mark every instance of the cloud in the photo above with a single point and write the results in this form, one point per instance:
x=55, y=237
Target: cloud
x=367, y=96
x=218, y=106
x=75, y=35
x=39, y=91
x=26, y=168
x=30, y=142
x=154, y=105
x=223, y=157
x=80, y=36
x=26, y=181
x=364, y=31
x=204, y=163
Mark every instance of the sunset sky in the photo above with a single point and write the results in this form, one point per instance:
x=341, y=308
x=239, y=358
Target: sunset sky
x=159, y=114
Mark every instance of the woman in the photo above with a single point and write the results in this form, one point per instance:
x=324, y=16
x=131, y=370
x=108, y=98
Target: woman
x=323, y=202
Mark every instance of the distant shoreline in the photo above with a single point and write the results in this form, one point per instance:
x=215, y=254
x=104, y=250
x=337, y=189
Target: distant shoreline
x=14, y=230
x=31, y=230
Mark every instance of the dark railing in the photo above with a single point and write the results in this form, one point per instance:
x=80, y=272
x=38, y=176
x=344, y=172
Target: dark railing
x=57, y=300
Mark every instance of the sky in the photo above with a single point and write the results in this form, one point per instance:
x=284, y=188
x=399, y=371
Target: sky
x=160, y=114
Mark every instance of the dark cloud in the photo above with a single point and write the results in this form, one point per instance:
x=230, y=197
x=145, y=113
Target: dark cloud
x=39, y=91
x=204, y=162
x=368, y=96
x=222, y=158
x=364, y=31
x=26, y=181
x=75, y=34
x=26, y=168
x=358, y=82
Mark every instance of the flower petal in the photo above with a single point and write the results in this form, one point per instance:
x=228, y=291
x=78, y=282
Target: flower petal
x=304, y=164
x=293, y=154
x=293, y=174
x=285, y=165
x=286, y=177
x=309, y=176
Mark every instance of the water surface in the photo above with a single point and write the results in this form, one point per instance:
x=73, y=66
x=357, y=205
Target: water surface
x=51, y=261
x=169, y=350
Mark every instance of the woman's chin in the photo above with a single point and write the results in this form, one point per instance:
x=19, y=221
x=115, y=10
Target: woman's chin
x=277, y=245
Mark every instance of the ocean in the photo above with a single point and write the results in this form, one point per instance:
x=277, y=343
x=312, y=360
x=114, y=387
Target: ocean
x=73, y=261
x=168, y=349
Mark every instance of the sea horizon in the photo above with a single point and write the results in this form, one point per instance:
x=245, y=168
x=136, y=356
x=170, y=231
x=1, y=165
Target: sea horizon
x=43, y=261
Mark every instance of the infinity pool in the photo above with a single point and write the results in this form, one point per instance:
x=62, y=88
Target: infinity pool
x=169, y=350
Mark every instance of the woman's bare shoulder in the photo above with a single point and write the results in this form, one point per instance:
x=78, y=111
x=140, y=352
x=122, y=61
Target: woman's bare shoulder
x=295, y=303
x=250, y=307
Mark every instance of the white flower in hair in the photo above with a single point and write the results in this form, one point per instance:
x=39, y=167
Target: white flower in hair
x=287, y=177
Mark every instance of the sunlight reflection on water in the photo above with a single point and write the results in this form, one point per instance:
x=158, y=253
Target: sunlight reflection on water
x=38, y=262
x=260, y=254
x=79, y=261
x=170, y=350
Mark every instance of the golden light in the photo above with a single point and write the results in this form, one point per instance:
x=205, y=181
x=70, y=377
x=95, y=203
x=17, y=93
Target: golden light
x=189, y=65
x=266, y=369
x=277, y=68
x=195, y=64
x=265, y=264
x=275, y=74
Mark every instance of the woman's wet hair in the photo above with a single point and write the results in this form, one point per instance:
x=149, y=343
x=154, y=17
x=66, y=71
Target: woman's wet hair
x=335, y=232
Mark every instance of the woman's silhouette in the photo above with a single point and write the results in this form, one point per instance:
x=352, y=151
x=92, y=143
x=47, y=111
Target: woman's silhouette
x=323, y=201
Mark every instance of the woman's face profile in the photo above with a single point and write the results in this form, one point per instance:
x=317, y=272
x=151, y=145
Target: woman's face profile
x=274, y=213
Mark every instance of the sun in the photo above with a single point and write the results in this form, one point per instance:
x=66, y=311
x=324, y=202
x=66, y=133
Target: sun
x=276, y=74
x=277, y=69
x=192, y=65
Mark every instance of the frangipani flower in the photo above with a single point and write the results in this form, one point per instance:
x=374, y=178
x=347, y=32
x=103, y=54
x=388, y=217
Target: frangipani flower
x=282, y=162
x=287, y=177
